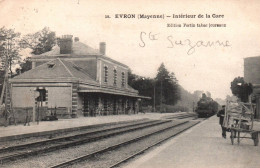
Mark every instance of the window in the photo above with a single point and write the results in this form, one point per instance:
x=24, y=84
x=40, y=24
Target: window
x=123, y=79
x=50, y=65
x=115, y=76
x=106, y=73
x=42, y=95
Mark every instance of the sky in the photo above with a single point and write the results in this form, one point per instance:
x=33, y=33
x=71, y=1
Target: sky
x=127, y=39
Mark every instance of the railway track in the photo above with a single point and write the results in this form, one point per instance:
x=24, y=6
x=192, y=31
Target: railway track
x=62, y=133
x=64, y=138
x=182, y=116
x=36, y=148
x=98, y=138
x=141, y=151
x=128, y=142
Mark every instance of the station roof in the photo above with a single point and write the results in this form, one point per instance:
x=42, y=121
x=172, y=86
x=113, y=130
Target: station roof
x=61, y=70
x=78, y=48
x=57, y=69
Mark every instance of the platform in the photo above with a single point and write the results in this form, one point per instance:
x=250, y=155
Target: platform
x=201, y=146
x=62, y=125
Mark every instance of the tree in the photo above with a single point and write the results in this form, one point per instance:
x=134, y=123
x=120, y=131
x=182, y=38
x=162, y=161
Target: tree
x=26, y=65
x=187, y=99
x=220, y=101
x=231, y=98
x=9, y=47
x=9, y=54
x=2, y=74
x=167, y=87
x=208, y=94
x=40, y=42
x=132, y=78
x=241, y=89
x=170, y=88
x=143, y=85
x=197, y=95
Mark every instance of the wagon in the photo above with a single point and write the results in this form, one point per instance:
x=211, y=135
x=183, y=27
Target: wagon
x=239, y=118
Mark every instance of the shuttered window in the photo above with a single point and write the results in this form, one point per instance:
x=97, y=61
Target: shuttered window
x=106, y=73
x=123, y=79
x=115, y=76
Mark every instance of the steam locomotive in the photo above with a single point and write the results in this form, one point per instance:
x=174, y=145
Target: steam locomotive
x=206, y=107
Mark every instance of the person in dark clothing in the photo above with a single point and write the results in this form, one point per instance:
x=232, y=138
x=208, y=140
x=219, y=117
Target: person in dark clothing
x=221, y=115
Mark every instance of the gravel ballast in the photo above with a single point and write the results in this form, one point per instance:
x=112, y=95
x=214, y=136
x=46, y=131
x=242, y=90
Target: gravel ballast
x=53, y=158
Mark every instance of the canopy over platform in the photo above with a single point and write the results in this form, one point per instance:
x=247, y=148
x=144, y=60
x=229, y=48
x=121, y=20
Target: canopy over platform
x=106, y=91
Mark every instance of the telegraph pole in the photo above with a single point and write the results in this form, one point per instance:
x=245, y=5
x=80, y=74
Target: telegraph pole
x=154, y=97
x=165, y=78
x=4, y=89
x=161, y=97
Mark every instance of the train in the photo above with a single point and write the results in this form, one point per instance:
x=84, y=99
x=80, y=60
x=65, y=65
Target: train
x=206, y=107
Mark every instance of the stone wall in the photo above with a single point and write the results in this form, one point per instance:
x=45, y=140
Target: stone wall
x=59, y=98
x=23, y=96
x=111, y=67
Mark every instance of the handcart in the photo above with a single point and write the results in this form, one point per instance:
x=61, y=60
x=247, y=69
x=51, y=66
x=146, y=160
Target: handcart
x=239, y=118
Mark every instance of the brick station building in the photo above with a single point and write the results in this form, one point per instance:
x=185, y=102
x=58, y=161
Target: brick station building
x=252, y=75
x=76, y=80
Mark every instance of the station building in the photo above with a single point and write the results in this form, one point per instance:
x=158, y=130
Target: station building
x=252, y=75
x=75, y=80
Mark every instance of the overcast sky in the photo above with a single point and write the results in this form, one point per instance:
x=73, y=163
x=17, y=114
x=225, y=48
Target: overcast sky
x=207, y=68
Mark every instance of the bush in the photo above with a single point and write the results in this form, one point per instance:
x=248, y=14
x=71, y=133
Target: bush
x=146, y=109
x=172, y=109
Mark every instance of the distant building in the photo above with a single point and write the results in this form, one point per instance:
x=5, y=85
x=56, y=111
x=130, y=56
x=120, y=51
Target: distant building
x=252, y=75
x=75, y=79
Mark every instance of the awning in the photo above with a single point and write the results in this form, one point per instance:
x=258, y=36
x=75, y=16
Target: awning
x=129, y=94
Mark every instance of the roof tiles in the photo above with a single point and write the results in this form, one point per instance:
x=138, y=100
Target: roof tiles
x=78, y=48
x=57, y=69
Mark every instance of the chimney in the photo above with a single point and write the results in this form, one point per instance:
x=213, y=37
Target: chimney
x=66, y=44
x=76, y=39
x=102, y=48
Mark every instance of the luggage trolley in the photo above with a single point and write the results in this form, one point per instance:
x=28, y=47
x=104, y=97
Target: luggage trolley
x=239, y=118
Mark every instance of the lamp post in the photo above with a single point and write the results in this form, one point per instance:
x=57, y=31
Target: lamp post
x=154, y=108
x=193, y=106
x=154, y=97
x=161, y=98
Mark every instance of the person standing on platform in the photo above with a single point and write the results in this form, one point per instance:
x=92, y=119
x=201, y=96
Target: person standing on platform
x=221, y=115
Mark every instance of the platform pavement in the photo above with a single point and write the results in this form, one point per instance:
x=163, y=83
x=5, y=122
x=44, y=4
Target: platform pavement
x=202, y=147
x=46, y=127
